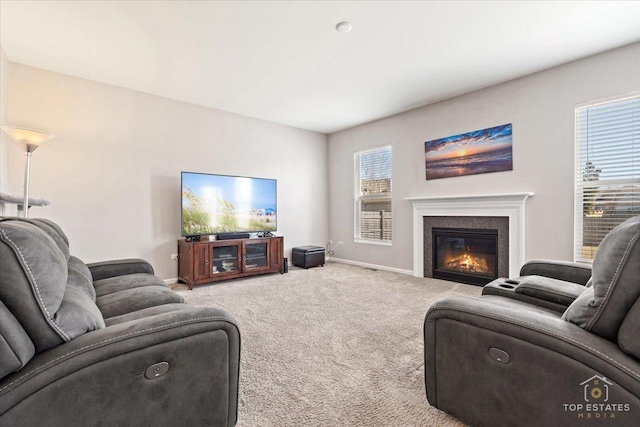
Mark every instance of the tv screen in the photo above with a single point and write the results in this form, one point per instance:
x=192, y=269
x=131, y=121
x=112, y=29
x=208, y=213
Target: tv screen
x=216, y=204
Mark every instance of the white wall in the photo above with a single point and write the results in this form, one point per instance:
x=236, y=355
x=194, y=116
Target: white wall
x=112, y=173
x=4, y=99
x=11, y=157
x=541, y=108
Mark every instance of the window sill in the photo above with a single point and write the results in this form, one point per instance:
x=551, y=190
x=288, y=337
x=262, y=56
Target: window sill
x=373, y=242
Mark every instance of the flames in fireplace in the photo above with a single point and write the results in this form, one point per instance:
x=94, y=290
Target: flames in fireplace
x=465, y=255
x=468, y=263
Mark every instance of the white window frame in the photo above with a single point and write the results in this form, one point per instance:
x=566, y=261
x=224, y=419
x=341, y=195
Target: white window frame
x=358, y=197
x=580, y=185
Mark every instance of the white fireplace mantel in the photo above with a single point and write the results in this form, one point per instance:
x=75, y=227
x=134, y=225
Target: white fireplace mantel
x=503, y=205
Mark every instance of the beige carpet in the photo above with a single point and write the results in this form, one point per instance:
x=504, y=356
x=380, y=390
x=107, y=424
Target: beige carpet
x=331, y=346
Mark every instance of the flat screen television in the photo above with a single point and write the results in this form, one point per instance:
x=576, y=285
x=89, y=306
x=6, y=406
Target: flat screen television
x=218, y=204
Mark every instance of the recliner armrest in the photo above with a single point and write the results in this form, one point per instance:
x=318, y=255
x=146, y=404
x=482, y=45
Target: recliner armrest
x=562, y=270
x=120, y=267
x=103, y=376
x=553, y=290
x=485, y=356
x=540, y=291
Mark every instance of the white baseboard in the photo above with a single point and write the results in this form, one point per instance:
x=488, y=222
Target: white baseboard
x=374, y=266
x=174, y=280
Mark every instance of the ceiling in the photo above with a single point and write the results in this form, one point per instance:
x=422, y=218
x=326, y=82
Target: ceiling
x=284, y=61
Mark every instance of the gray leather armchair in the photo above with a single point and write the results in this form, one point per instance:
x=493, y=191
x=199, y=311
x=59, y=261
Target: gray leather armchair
x=105, y=343
x=564, y=349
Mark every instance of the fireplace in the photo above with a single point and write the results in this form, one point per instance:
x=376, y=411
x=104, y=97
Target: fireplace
x=504, y=212
x=465, y=255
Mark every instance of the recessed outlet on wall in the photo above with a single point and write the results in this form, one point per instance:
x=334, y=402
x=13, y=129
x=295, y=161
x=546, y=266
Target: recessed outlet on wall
x=174, y=257
x=340, y=243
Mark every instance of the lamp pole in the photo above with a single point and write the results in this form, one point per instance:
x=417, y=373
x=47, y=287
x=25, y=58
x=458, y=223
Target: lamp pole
x=25, y=203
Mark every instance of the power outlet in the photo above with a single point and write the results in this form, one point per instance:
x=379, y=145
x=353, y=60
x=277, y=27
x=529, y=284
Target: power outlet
x=340, y=243
x=174, y=257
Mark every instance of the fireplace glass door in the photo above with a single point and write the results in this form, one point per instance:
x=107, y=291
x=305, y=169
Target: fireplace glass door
x=465, y=255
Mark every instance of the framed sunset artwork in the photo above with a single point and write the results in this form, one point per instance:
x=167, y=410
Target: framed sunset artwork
x=480, y=151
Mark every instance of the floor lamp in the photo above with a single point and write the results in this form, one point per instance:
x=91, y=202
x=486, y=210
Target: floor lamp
x=29, y=140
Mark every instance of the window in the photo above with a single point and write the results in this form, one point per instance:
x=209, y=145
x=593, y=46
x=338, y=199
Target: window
x=607, y=169
x=373, y=196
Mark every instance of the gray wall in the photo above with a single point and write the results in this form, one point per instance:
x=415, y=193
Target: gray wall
x=541, y=108
x=112, y=174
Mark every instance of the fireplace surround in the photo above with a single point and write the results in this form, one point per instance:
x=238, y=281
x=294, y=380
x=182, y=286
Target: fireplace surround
x=509, y=205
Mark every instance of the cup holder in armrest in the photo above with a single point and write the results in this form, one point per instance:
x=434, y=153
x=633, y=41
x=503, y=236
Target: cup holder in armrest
x=501, y=286
x=509, y=284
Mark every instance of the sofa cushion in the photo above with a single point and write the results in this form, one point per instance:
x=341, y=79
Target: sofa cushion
x=119, y=267
x=80, y=277
x=53, y=230
x=78, y=314
x=16, y=348
x=146, y=312
x=129, y=281
x=630, y=331
x=130, y=300
x=33, y=285
x=602, y=308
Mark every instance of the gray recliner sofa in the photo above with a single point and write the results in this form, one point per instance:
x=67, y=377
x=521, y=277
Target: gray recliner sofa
x=106, y=343
x=559, y=345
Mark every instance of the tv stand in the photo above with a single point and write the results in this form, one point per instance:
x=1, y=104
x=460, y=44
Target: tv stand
x=212, y=261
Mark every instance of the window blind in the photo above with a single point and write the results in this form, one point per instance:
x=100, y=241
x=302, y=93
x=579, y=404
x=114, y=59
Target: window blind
x=373, y=195
x=607, y=170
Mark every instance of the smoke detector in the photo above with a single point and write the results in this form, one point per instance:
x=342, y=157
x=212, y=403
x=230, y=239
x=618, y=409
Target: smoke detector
x=344, y=27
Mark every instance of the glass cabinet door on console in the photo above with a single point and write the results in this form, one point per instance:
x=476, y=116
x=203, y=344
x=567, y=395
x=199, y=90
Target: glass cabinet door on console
x=225, y=259
x=256, y=256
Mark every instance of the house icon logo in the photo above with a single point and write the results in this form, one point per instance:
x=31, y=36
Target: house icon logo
x=596, y=389
x=597, y=404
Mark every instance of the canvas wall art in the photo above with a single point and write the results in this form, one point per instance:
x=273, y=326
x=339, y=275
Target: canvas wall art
x=480, y=151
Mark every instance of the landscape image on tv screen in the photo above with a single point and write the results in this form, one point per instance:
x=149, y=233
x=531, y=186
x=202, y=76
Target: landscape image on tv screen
x=214, y=204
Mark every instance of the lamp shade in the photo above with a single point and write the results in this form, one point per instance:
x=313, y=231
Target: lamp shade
x=29, y=139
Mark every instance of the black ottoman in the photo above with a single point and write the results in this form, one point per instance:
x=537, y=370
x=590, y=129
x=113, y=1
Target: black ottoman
x=308, y=256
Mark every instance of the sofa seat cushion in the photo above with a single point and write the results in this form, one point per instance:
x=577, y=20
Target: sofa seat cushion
x=129, y=281
x=146, y=312
x=134, y=299
x=602, y=308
